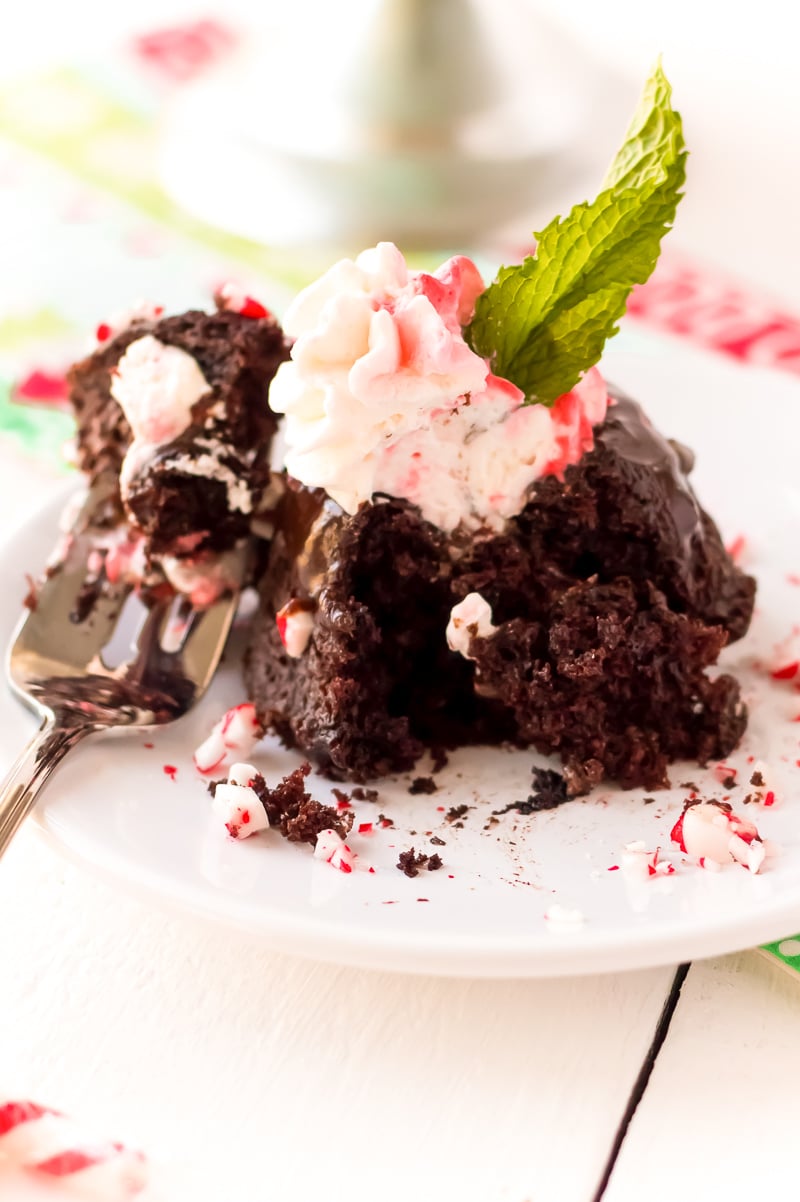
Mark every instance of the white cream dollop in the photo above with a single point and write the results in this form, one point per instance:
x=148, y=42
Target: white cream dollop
x=157, y=386
x=383, y=395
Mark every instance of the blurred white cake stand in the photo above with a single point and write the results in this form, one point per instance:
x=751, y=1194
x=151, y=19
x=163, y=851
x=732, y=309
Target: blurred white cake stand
x=430, y=122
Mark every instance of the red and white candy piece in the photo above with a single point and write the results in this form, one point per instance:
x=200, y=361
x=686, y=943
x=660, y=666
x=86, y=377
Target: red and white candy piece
x=295, y=622
x=238, y=805
x=141, y=311
x=230, y=296
x=46, y=1142
x=470, y=619
x=638, y=863
x=332, y=848
x=231, y=740
x=712, y=832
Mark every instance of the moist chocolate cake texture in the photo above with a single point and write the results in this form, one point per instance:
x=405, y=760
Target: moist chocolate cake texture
x=611, y=590
x=178, y=496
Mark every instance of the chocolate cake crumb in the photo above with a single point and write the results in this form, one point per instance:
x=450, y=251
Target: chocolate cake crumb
x=688, y=784
x=437, y=841
x=649, y=801
x=423, y=784
x=384, y=821
x=291, y=808
x=411, y=861
x=342, y=799
x=730, y=782
x=757, y=779
x=456, y=812
x=549, y=788
x=362, y=794
x=549, y=791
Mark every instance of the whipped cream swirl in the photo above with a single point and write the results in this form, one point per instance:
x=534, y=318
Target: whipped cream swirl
x=383, y=395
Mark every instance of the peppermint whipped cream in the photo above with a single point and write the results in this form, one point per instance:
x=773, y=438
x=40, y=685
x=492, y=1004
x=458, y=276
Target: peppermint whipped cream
x=211, y=466
x=157, y=386
x=383, y=395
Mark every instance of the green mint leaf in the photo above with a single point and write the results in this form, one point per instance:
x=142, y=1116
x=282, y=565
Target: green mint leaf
x=543, y=323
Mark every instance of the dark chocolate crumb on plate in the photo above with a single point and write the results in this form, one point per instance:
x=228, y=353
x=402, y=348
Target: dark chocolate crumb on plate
x=757, y=780
x=411, y=861
x=437, y=841
x=549, y=790
x=423, y=784
x=434, y=862
x=456, y=812
x=291, y=808
x=362, y=794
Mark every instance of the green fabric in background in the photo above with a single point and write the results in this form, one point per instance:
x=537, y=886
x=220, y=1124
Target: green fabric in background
x=39, y=429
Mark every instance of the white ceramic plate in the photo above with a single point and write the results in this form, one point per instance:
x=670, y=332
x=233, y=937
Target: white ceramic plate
x=113, y=807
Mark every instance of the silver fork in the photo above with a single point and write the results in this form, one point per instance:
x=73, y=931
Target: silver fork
x=124, y=664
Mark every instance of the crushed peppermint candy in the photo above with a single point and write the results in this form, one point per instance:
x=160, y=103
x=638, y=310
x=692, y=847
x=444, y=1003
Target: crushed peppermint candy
x=141, y=311
x=564, y=918
x=232, y=739
x=295, y=623
x=711, y=831
x=786, y=671
x=470, y=619
x=638, y=863
x=331, y=848
x=725, y=775
x=736, y=548
x=240, y=809
x=233, y=298
x=55, y=1149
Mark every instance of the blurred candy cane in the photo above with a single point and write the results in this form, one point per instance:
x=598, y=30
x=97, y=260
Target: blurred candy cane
x=47, y=1142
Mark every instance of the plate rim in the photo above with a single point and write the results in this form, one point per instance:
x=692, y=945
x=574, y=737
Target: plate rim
x=536, y=953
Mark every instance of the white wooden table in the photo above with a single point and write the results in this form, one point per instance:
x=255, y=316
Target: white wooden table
x=250, y=1077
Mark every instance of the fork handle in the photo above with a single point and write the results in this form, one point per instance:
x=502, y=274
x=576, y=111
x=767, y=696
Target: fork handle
x=19, y=790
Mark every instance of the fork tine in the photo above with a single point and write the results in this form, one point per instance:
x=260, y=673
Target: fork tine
x=125, y=660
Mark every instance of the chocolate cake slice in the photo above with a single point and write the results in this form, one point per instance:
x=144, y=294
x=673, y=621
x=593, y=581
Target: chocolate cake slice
x=176, y=408
x=610, y=595
x=621, y=599
x=479, y=541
